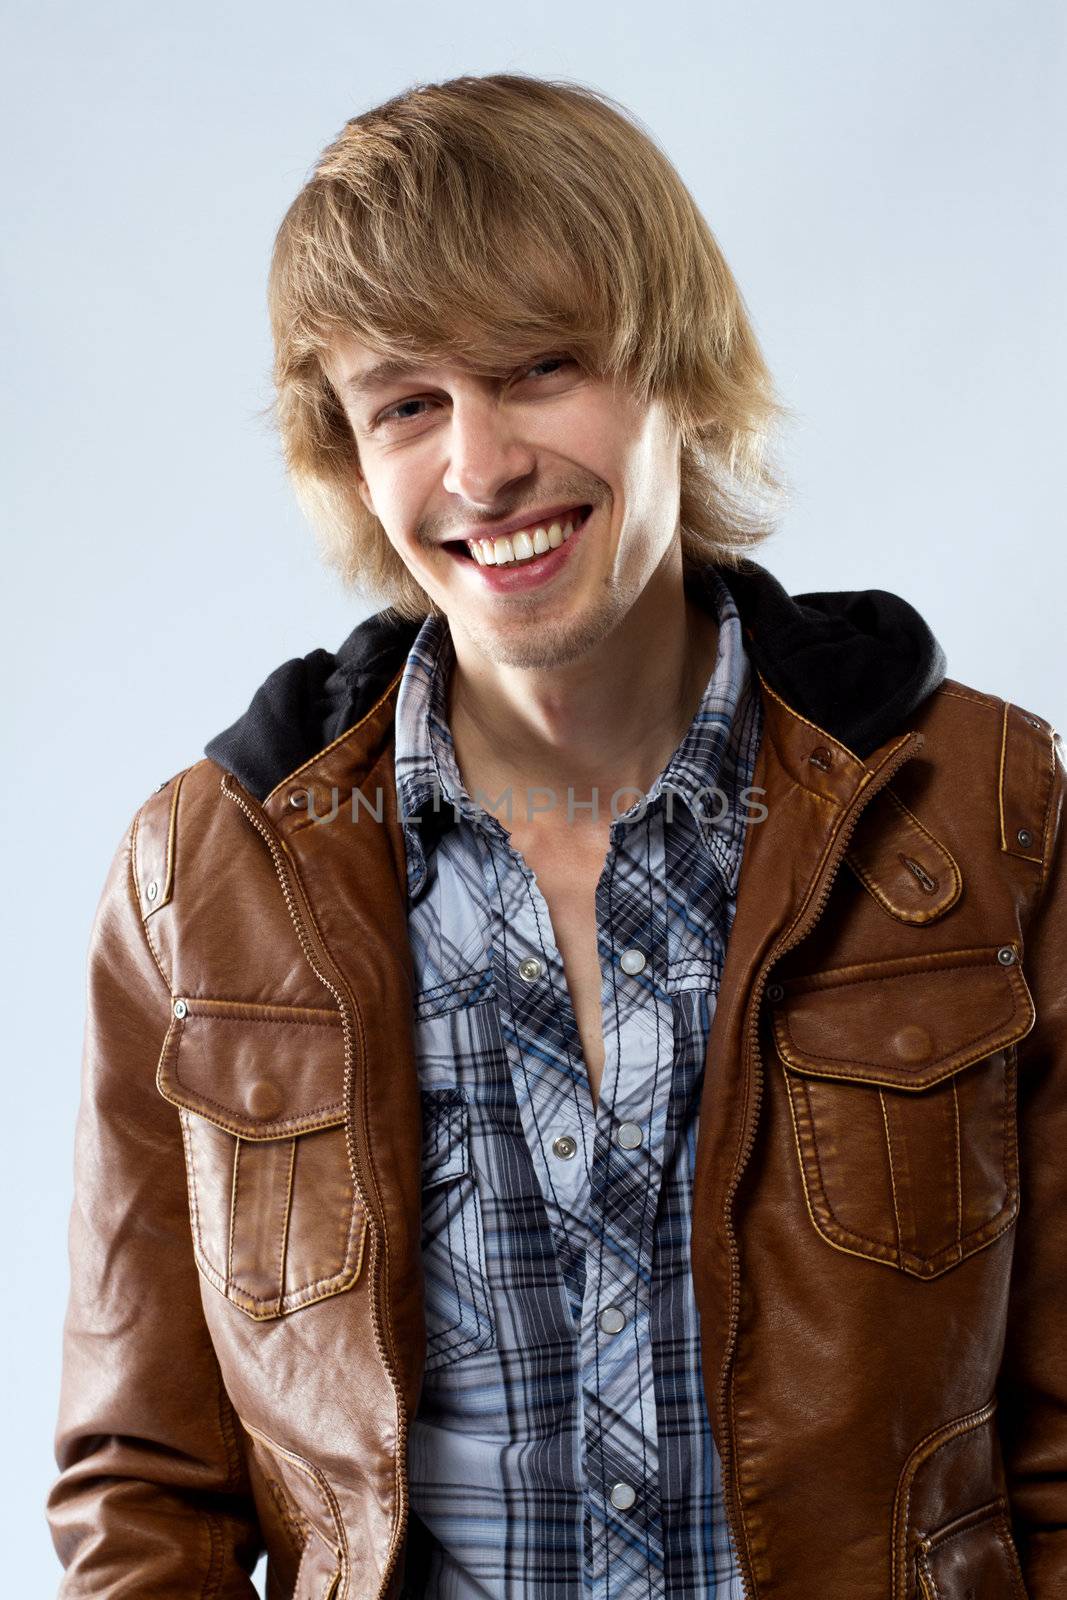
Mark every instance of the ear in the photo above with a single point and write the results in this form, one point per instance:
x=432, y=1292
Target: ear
x=364, y=492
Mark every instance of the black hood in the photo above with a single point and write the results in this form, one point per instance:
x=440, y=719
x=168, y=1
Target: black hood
x=857, y=662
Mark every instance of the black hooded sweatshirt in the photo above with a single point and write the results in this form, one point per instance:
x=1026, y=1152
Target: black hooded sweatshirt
x=856, y=662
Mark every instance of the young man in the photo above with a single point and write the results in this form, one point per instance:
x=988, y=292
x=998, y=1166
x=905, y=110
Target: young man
x=575, y=1083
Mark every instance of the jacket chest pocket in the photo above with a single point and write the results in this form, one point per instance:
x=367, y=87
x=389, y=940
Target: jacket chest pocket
x=459, y=1319
x=276, y=1221
x=901, y=1077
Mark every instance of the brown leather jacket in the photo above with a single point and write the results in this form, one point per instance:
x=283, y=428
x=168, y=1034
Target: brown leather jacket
x=881, y=1193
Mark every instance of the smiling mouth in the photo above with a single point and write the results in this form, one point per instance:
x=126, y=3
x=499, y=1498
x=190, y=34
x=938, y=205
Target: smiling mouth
x=523, y=547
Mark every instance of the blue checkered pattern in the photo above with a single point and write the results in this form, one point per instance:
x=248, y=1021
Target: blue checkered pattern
x=551, y=1457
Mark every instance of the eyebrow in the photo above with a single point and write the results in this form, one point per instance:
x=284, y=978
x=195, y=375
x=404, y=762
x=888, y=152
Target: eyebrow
x=361, y=383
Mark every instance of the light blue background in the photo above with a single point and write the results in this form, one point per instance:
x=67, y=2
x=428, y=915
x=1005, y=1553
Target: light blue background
x=886, y=182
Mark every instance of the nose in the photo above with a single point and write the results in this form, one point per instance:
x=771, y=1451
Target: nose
x=486, y=450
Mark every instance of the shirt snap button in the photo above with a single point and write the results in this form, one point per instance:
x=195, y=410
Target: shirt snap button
x=564, y=1146
x=612, y=1320
x=632, y=961
x=628, y=1135
x=529, y=969
x=622, y=1496
x=1006, y=956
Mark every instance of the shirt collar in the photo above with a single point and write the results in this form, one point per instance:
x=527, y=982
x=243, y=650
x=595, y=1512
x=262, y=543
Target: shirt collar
x=702, y=777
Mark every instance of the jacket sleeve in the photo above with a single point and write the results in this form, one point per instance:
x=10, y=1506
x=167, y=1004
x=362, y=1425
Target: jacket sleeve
x=153, y=1496
x=1032, y=1387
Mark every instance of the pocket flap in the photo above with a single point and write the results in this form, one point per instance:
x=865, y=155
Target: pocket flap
x=445, y=1146
x=260, y=1071
x=904, y=1023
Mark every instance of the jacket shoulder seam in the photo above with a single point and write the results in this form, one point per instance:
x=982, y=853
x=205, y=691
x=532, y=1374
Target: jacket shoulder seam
x=134, y=890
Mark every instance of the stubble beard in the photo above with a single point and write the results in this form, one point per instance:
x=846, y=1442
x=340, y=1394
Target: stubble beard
x=552, y=643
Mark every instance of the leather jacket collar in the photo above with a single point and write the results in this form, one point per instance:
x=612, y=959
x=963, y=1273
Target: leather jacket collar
x=857, y=663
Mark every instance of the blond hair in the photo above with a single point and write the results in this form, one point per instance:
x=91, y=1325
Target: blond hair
x=492, y=219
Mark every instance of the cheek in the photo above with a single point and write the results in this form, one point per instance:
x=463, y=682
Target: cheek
x=591, y=438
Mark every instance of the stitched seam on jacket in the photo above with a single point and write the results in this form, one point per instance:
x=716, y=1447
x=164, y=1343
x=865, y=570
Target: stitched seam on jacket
x=879, y=1249
x=914, y=826
x=959, y=1161
x=235, y=1179
x=793, y=712
x=135, y=895
x=974, y=700
x=1049, y=840
x=861, y=1061
x=892, y=1177
x=332, y=1282
x=380, y=1236
x=916, y=1457
x=1003, y=1531
x=334, y=743
x=283, y=1243
x=321, y=1483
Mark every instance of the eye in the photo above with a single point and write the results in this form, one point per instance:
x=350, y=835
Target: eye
x=392, y=414
x=551, y=361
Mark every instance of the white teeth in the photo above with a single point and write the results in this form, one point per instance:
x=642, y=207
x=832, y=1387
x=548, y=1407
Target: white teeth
x=510, y=549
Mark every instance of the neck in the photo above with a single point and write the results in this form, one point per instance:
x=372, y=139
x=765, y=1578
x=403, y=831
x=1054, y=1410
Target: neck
x=602, y=725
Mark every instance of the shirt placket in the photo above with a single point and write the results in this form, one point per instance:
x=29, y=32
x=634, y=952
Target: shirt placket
x=625, y=1543
x=600, y=1170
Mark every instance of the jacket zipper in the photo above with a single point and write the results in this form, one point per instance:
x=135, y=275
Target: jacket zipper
x=922, y=1570
x=317, y=959
x=731, y=1495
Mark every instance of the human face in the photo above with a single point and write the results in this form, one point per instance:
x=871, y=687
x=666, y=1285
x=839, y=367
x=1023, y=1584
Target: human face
x=446, y=453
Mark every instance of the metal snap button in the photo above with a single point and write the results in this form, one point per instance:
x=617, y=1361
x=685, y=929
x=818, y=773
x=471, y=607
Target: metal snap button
x=180, y=1008
x=298, y=798
x=530, y=969
x=612, y=1320
x=1006, y=956
x=152, y=890
x=775, y=992
x=628, y=1135
x=632, y=961
x=622, y=1496
x=1024, y=836
x=564, y=1146
x=821, y=757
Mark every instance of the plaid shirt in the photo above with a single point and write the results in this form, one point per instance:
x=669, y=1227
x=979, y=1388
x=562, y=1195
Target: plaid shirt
x=562, y=1443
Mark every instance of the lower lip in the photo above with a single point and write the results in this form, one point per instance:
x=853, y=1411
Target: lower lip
x=527, y=574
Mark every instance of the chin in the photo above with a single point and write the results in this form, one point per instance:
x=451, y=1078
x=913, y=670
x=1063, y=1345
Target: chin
x=554, y=643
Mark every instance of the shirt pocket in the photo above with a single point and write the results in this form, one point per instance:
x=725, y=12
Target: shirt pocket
x=459, y=1319
x=901, y=1077
x=276, y=1220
